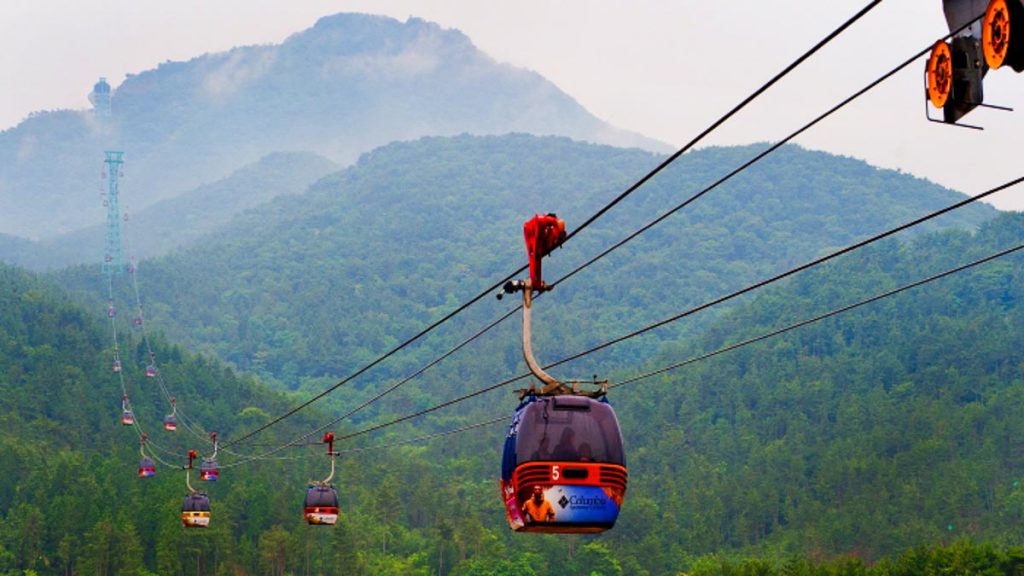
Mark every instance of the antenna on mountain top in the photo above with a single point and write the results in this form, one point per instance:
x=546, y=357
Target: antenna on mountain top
x=112, y=255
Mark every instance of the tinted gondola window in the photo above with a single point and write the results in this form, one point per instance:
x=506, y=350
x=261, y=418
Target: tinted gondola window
x=198, y=502
x=569, y=428
x=321, y=496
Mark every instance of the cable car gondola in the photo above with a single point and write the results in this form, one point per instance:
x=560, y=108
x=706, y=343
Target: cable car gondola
x=195, y=510
x=563, y=466
x=147, y=469
x=171, y=420
x=151, y=367
x=321, y=504
x=127, y=416
x=208, y=469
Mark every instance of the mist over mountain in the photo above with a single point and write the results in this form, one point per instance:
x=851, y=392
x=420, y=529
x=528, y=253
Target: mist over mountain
x=177, y=221
x=349, y=84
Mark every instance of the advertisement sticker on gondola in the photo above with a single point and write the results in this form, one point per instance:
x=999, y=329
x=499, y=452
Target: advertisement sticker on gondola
x=563, y=504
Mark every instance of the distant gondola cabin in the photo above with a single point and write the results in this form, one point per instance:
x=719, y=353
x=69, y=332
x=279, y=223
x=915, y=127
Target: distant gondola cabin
x=321, y=504
x=208, y=470
x=146, y=468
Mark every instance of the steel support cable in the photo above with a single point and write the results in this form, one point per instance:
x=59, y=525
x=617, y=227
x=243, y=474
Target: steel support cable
x=691, y=311
x=692, y=199
x=729, y=348
x=467, y=428
x=126, y=402
x=795, y=270
x=299, y=441
x=158, y=376
x=823, y=316
x=870, y=6
x=248, y=459
x=112, y=316
x=141, y=433
x=187, y=423
x=746, y=165
x=762, y=155
x=714, y=126
x=380, y=359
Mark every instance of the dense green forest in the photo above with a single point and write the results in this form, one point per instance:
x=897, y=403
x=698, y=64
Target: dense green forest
x=317, y=285
x=842, y=448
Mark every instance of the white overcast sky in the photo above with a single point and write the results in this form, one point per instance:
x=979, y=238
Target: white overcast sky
x=664, y=68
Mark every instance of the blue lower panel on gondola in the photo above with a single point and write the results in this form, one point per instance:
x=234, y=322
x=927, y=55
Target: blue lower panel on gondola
x=581, y=504
x=564, y=508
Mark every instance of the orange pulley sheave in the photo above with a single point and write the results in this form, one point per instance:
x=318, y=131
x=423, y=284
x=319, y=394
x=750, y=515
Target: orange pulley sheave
x=940, y=74
x=995, y=33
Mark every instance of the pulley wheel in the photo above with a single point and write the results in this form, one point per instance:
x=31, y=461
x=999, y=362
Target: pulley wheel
x=940, y=74
x=995, y=33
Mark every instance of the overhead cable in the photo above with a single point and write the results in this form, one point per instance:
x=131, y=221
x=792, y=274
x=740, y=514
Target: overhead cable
x=871, y=5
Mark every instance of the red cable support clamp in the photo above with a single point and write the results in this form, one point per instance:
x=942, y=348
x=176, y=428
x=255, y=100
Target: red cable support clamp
x=543, y=234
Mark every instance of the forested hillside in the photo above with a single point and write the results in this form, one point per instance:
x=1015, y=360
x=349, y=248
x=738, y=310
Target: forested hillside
x=845, y=442
x=319, y=284
x=865, y=434
x=348, y=84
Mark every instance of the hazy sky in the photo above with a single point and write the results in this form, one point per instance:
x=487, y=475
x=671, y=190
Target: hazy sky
x=665, y=68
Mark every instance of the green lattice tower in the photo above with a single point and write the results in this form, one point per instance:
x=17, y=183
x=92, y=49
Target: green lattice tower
x=112, y=260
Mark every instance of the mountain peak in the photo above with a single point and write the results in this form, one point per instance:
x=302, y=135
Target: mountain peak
x=348, y=84
x=350, y=33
